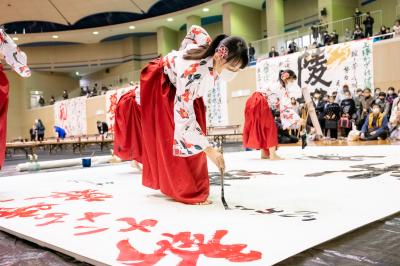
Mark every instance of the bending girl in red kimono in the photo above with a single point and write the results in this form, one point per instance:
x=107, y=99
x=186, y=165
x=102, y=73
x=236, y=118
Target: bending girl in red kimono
x=16, y=59
x=260, y=131
x=164, y=128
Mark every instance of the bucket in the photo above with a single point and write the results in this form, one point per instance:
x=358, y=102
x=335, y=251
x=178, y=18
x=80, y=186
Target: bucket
x=86, y=162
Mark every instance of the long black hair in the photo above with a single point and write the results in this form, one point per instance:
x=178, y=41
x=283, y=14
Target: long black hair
x=237, y=47
x=288, y=71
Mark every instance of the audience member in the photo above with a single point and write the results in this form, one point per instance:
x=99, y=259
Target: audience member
x=341, y=93
x=383, y=31
x=292, y=47
x=315, y=31
x=331, y=115
x=94, y=91
x=375, y=125
x=273, y=53
x=295, y=105
x=32, y=133
x=376, y=92
x=368, y=25
x=102, y=127
x=366, y=102
x=334, y=37
x=39, y=129
x=394, y=123
x=347, y=35
x=52, y=100
x=348, y=113
x=252, y=53
x=358, y=34
x=41, y=101
x=359, y=107
x=383, y=104
x=326, y=38
x=396, y=28
x=65, y=95
x=61, y=134
x=319, y=105
x=357, y=17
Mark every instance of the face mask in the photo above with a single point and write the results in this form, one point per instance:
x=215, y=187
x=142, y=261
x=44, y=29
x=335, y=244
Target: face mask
x=376, y=111
x=227, y=75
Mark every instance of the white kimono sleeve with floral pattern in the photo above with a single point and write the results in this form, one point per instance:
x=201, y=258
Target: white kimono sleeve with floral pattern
x=191, y=79
x=278, y=99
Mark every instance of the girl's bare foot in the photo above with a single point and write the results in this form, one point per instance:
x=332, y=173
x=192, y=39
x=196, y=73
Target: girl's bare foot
x=206, y=202
x=264, y=155
x=136, y=165
x=275, y=157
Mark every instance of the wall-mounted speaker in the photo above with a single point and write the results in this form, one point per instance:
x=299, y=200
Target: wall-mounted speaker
x=324, y=12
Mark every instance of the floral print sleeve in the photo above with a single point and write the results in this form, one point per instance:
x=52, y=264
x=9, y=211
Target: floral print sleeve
x=190, y=77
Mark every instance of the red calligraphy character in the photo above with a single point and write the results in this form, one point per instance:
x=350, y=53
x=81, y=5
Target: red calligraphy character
x=88, y=195
x=89, y=216
x=57, y=216
x=142, y=226
x=98, y=230
x=29, y=211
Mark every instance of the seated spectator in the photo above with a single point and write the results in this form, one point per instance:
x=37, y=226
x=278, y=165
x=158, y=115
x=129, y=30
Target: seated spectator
x=94, y=92
x=376, y=92
x=52, y=100
x=32, y=133
x=391, y=95
x=358, y=102
x=61, y=134
x=83, y=91
x=347, y=35
x=252, y=53
x=358, y=34
x=366, y=103
x=396, y=28
x=375, y=125
x=383, y=31
x=65, y=95
x=326, y=38
x=394, y=123
x=102, y=127
x=348, y=114
x=383, y=104
x=334, y=37
x=273, y=53
x=41, y=101
x=331, y=116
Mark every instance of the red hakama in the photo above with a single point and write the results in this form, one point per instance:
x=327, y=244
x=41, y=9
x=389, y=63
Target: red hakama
x=184, y=179
x=260, y=131
x=3, y=114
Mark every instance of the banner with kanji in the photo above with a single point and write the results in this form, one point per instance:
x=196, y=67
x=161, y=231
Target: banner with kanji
x=112, y=98
x=216, y=103
x=71, y=116
x=327, y=68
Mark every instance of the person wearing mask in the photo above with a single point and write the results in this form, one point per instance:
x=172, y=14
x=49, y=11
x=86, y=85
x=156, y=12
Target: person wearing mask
x=358, y=34
x=396, y=28
x=32, y=133
x=348, y=114
x=61, y=134
x=347, y=35
x=65, y=95
x=102, y=128
x=259, y=131
x=331, y=116
x=376, y=93
x=52, y=100
x=368, y=25
x=383, y=31
x=375, y=125
x=273, y=53
x=394, y=123
x=40, y=129
x=292, y=47
x=383, y=104
x=357, y=17
x=252, y=53
x=319, y=105
x=341, y=93
x=170, y=119
x=366, y=103
x=358, y=102
x=41, y=101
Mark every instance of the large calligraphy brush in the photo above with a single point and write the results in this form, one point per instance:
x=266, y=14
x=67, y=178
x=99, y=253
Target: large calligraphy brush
x=222, y=190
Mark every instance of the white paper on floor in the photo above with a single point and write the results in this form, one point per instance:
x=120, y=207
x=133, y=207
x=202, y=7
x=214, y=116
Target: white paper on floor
x=104, y=215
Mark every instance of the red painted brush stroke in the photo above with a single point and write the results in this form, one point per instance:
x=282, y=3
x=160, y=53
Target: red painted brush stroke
x=29, y=211
x=89, y=216
x=89, y=232
x=56, y=215
x=88, y=195
x=142, y=226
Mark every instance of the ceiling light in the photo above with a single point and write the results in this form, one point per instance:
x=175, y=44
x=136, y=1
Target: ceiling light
x=77, y=73
x=170, y=19
x=55, y=36
x=206, y=9
x=95, y=32
x=132, y=27
x=15, y=38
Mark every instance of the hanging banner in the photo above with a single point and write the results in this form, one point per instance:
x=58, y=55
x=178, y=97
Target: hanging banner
x=327, y=68
x=71, y=116
x=112, y=98
x=217, y=106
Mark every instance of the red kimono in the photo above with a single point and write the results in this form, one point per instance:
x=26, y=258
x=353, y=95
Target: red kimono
x=3, y=114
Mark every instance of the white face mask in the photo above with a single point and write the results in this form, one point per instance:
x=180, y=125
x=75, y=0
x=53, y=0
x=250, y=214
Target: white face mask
x=227, y=75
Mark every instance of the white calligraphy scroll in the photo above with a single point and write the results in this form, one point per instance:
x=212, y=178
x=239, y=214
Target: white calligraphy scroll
x=71, y=116
x=112, y=98
x=217, y=106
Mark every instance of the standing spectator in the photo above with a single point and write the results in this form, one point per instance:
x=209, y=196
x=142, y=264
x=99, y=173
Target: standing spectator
x=357, y=17
x=348, y=114
x=32, y=133
x=41, y=101
x=52, y=100
x=394, y=123
x=383, y=104
x=375, y=125
x=273, y=53
x=315, y=31
x=358, y=34
x=331, y=115
x=65, y=95
x=292, y=47
x=94, y=91
x=335, y=37
x=326, y=38
x=252, y=53
x=61, y=134
x=347, y=35
x=396, y=28
x=319, y=105
x=102, y=127
x=368, y=25
x=358, y=102
x=366, y=103
x=40, y=129
x=341, y=94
